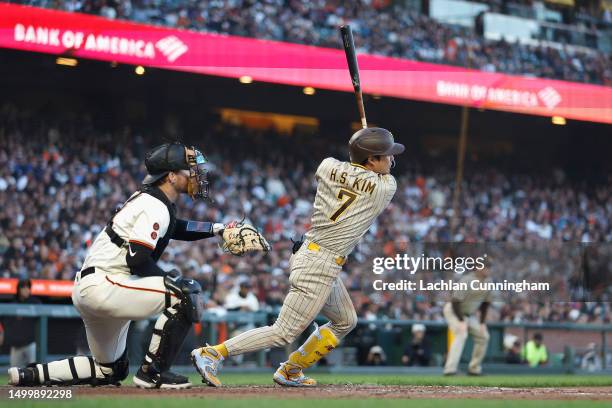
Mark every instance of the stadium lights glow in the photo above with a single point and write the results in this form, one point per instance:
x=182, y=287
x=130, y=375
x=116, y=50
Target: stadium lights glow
x=558, y=120
x=139, y=70
x=376, y=96
x=309, y=90
x=114, y=64
x=69, y=62
x=245, y=79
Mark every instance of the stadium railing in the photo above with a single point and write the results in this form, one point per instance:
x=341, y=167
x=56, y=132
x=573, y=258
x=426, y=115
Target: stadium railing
x=42, y=313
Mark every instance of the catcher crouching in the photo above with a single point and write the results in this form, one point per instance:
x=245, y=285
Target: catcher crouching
x=120, y=280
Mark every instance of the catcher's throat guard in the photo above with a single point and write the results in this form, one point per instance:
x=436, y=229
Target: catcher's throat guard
x=198, y=175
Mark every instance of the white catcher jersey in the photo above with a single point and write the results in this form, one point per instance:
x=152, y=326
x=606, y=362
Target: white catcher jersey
x=143, y=220
x=348, y=200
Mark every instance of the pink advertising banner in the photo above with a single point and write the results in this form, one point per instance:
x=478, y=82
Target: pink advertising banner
x=85, y=36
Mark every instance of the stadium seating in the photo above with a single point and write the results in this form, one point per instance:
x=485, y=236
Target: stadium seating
x=61, y=178
x=392, y=29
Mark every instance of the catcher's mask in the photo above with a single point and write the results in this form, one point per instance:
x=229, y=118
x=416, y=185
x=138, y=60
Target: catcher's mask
x=168, y=157
x=198, y=171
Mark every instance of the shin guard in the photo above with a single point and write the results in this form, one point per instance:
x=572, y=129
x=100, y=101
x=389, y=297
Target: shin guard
x=320, y=343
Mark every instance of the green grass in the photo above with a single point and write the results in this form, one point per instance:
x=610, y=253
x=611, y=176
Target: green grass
x=308, y=403
x=385, y=379
x=512, y=381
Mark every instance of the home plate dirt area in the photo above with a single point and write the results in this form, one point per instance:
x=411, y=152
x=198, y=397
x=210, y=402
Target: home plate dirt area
x=353, y=392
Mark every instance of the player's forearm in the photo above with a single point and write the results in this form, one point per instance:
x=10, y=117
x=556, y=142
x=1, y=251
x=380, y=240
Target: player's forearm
x=148, y=268
x=195, y=230
x=140, y=262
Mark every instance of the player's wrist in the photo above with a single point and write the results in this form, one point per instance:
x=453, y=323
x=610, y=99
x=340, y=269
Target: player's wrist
x=218, y=228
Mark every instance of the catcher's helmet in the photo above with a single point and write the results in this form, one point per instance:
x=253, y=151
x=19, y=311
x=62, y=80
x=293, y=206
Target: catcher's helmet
x=173, y=157
x=163, y=159
x=372, y=141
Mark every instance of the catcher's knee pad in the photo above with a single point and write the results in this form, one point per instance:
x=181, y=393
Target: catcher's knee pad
x=188, y=292
x=320, y=343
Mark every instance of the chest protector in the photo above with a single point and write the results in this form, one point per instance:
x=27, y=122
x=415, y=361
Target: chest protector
x=162, y=243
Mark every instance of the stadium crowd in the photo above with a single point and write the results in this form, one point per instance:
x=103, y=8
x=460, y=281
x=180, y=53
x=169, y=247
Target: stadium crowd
x=381, y=27
x=60, y=180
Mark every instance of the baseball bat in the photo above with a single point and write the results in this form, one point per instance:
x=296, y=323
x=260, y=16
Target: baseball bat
x=351, y=58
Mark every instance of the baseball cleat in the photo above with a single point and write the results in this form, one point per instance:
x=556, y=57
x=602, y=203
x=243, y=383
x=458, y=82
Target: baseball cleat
x=164, y=380
x=292, y=376
x=206, y=360
x=23, y=377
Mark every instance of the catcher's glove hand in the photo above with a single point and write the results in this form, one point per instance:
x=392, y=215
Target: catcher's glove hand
x=240, y=238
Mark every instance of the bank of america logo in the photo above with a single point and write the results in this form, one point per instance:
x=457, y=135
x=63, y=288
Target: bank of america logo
x=171, y=47
x=550, y=97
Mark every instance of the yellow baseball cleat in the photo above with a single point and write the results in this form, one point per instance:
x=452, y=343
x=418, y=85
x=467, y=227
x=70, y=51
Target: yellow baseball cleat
x=206, y=360
x=289, y=375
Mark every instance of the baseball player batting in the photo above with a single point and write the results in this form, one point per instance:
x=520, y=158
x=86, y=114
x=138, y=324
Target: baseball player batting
x=120, y=280
x=350, y=195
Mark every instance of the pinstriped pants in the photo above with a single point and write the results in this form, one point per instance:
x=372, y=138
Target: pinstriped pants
x=314, y=288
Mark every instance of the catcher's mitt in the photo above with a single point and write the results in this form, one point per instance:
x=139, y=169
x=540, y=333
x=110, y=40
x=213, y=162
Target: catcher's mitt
x=240, y=238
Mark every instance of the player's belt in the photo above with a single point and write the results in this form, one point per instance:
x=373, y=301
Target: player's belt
x=340, y=260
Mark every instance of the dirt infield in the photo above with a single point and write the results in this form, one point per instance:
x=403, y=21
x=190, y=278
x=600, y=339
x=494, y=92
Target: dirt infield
x=353, y=392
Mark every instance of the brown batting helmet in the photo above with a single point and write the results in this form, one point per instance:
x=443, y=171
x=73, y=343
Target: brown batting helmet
x=372, y=141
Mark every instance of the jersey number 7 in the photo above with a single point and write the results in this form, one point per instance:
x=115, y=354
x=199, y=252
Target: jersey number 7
x=346, y=204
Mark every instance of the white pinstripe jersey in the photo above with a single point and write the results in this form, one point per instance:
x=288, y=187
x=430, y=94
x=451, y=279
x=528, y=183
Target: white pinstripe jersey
x=349, y=198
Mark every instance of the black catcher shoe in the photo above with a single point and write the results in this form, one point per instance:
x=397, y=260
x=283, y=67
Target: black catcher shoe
x=151, y=378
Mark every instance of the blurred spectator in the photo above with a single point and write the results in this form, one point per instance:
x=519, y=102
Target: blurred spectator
x=418, y=352
x=513, y=349
x=60, y=178
x=19, y=332
x=535, y=352
x=242, y=299
x=591, y=360
x=376, y=356
x=390, y=28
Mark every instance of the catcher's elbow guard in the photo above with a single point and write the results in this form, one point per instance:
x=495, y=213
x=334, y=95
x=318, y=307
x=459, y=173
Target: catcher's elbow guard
x=320, y=343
